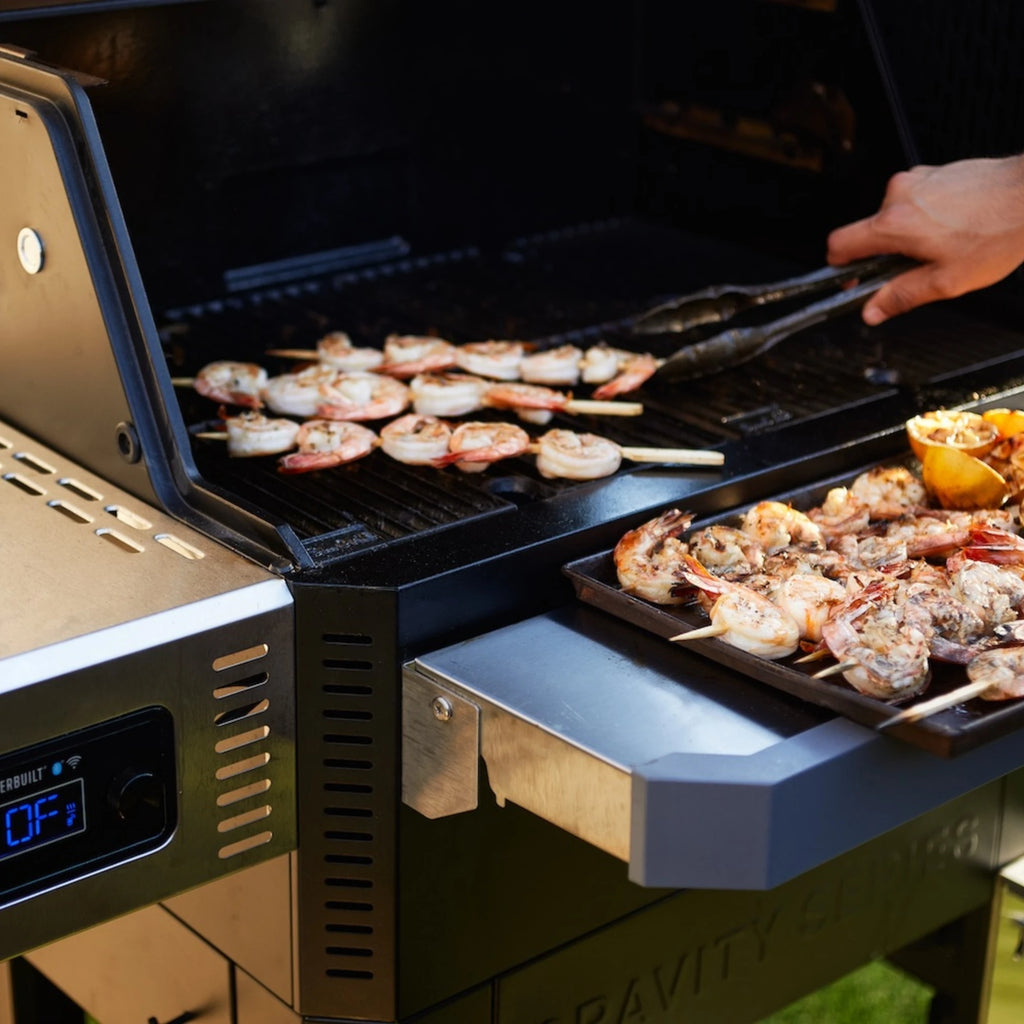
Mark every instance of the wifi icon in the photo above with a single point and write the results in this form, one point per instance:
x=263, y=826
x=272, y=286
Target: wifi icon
x=73, y=761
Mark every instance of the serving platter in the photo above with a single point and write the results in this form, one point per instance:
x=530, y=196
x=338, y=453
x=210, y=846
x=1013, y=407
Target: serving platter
x=946, y=733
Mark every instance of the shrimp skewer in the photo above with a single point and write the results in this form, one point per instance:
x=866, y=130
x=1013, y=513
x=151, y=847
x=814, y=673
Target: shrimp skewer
x=635, y=370
x=253, y=434
x=447, y=394
x=362, y=396
x=326, y=443
x=741, y=617
x=538, y=403
x=300, y=393
x=415, y=439
x=554, y=366
x=498, y=360
x=584, y=456
x=648, y=559
x=406, y=355
x=231, y=382
x=335, y=349
x=474, y=446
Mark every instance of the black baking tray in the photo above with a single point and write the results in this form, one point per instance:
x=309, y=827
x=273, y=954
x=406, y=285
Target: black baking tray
x=947, y=733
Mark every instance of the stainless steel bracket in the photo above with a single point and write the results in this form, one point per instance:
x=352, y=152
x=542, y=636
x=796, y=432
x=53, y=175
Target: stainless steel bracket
x=440, y=747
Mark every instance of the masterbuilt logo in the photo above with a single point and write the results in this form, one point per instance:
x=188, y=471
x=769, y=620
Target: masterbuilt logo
x=9, y=783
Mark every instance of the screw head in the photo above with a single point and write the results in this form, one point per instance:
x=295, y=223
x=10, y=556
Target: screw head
x=442, y=708
x=30, y=251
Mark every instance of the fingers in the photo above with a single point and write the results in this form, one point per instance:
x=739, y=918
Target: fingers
x=853, y=242
x=908, y=291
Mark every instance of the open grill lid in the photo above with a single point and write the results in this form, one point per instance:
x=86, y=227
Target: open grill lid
x=77, y=340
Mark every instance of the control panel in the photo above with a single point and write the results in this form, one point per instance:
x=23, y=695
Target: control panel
x=83, y=801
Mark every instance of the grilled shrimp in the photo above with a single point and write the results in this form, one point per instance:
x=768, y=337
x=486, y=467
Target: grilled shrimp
x=253, y=434
x=406, y=355
x=555, y=366
x=601, y=362
x=573, y=456
x=362, y=396
x=742, y=617
x=336, y=349
x=776, y=525
x=884, y=639
x=326, y=443
x=416, y=440
x=648, y=559
x=446, y=394
x=840, y=514
x=809, y=600
x=1003, y=669
x=726, y=551
x=474, y=446
x=231, y=382
x=995, y=594
x=531, y=402
x=300, y=393
x=497, y=360
x=633, y=371
x=889, y=491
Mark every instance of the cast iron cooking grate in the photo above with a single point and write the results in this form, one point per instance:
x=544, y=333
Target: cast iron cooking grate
x=577, y=285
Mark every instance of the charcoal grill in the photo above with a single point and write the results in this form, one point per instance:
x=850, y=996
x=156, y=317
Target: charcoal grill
x=508, y=806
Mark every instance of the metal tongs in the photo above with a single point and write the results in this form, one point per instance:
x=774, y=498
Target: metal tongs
x=738, y=344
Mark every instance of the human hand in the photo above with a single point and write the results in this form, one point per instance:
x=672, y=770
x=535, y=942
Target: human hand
x=963, y=221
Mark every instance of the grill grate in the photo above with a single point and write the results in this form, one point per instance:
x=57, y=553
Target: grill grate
x=548, y=289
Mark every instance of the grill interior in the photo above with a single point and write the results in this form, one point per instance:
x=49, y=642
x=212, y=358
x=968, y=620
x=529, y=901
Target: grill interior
x=580, y=285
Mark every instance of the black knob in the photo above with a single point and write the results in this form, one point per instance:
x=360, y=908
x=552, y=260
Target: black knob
x=135, y=791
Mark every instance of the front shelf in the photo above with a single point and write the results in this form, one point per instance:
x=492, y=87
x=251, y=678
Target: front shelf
x=695, y=776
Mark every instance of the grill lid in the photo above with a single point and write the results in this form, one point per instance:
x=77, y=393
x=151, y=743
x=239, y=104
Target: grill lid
x=77, y=339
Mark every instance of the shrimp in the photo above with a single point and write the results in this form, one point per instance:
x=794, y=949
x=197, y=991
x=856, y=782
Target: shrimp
x=881, y=641
x=416, y=440
x=336, y=349
x=573, y=456
x=1003, y=669
x=406, y=355
x=633, y=372
x=555, y=366
x=446, y=394
x=841, y=513
x=498, y=360
x=235, y=383
x=648, y=559
x=601, y=362
x=252, y=433
x=809, y=600
x=326, y=443
x=776, y=525
x=889, y=491
x=300, y=393
x=474, y=446
x=363, y=396
x=741, y=617
x=726, y=551
x=995, y=594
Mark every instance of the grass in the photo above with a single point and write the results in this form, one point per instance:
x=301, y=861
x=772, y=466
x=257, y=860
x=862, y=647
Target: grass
x=875, y=994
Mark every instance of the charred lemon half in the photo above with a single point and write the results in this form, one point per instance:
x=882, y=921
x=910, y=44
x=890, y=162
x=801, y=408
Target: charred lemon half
x=967, y=432
x=960, y=481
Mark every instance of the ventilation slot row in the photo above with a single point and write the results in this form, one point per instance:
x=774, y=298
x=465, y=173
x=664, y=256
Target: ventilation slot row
x=349, y=765
x=241, y=769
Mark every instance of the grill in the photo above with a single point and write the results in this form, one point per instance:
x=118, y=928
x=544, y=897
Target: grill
x=495, y=802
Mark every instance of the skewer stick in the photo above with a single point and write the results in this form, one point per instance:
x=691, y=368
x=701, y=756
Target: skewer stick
x=702, y=633
x=834, y=670
x=183, y=382
x=681, y=456
x=293, y=353
x=821, y=652
x=211, y=435
x=591, y=405
x=936, y=704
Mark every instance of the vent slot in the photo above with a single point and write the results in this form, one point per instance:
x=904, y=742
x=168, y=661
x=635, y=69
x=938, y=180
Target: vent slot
x=249, y=764
x=34, y=463
x=24, y=484
x=128, y=517
x=239, y=713
x=77, y=487
x=226, y=661
x=356, y=639
x=178, y=546
x=242, y=739
x=230, y=689
x=244, y=845
x=119, y=540
x=70, y=511
x=243, y=793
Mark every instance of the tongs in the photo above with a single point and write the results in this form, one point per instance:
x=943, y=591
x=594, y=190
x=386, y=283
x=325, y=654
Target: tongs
x=722, y=302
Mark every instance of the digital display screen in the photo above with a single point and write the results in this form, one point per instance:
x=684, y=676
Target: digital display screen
x=42, y=818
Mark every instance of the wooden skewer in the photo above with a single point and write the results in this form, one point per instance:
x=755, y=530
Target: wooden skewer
x=701, y=633
x=675, y=456
x=936, y=704
x=183, y=382
x=821, y=652
x=834, y=670
x=293, y=353
x=590, y=405
x=212, y=435
x=682, y=456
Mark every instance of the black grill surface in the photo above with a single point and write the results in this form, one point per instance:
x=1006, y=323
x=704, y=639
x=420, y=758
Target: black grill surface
x=580, y=285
